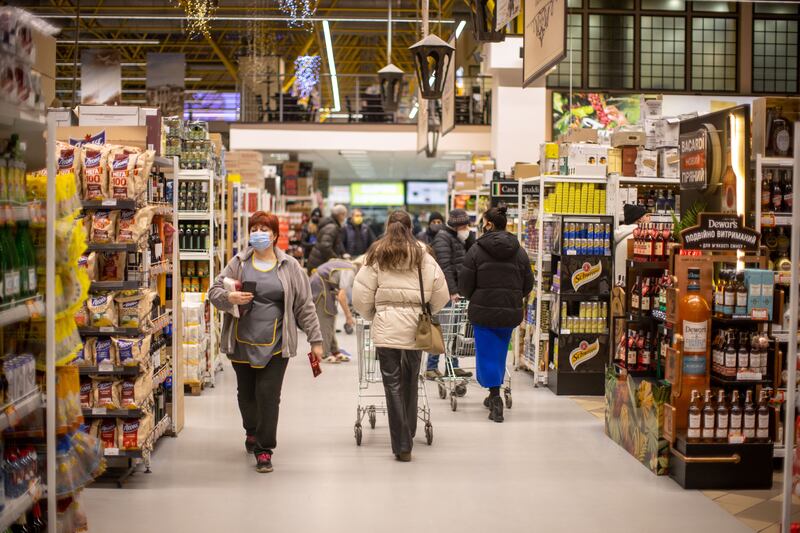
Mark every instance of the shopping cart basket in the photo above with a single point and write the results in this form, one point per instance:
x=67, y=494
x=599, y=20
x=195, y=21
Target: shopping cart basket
x=459, y=342
x=371, y=397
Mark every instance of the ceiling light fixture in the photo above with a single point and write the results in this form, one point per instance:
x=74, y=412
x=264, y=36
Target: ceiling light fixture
x=143, y=42
x=198, y=15
x=461, y=25
x=414, y=111
x=371, y=20
x=326, y=30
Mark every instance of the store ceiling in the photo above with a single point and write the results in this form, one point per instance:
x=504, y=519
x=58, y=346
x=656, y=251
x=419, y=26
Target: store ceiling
x=356, y=165
x=212, y=62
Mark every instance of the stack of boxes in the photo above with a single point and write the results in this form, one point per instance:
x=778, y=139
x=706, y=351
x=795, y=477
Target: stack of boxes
x=298, y=178
x=248, y=164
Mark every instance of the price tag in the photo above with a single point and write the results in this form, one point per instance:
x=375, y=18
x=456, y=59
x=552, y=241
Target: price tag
x=109, y=203
x=759, y=314
x=565, y=332
x=33, y=309
x=572, y=252
x=735, y=439
x=99, y=411
x=111, y=452
x=106, y=329
x=768, y=220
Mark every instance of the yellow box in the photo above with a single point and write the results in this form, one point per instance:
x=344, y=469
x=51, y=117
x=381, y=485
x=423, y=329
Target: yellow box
x=551, y=150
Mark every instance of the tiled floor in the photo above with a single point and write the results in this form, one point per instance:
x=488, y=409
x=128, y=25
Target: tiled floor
x=758, y=509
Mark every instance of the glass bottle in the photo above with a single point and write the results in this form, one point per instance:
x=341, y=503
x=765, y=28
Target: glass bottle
x=709, y=418
x=30, y=252
x=729, y=295
x=633, y=354
x=694, y=428
x=766, y=191
x=721, y=433
x=735, y=426
x=741, y=295
x=719, y=295
x=749, y=427
x=695, y=321
x=743, y=355
x=728, y=186
x=730, y=357
x=762, y=418
x=645, y=354
x=12, y=275
x=644, y=304
x=777, y=195
x=636, y=295
x=788, y=199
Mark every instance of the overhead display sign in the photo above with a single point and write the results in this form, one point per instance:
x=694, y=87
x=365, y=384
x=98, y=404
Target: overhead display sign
x=426, y=193
x=719, y=231
x=422, y=123
x=449, y=97
x=544, y=38
x=694, y=156
x=510, y=189
x=390, y=194
x=507, y=10
x=101, y=77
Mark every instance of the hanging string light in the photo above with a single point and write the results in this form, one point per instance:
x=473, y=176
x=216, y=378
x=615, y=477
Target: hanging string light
x=198, y=15
x=298, y=10
x=306, y=73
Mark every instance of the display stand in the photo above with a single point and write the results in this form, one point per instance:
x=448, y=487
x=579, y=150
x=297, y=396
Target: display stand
x=476, y=202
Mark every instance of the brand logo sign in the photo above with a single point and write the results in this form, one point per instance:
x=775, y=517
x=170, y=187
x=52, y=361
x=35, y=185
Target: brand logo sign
x=717, y=231
x=97, y=138
x=693, y=160
x=586, y=274
x=583, y=353
x=121, y=163
x=92, y=160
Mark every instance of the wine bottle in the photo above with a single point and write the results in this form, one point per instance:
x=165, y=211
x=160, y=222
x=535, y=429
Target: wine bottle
x=721, y=433
x=694, y=428
x=728, y=186
x=762, y=418
x=749, y=417
x=735, y=426
x=709, y=418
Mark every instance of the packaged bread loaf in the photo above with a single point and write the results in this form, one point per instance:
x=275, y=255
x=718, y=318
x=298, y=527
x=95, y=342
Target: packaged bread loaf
x=95, y=172
x=102, y=311
x=105, y=393
x=132, y=433
x=135, y=393
x=104, y=224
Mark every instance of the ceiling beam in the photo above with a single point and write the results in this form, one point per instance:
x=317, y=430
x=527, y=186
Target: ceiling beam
x=222, y=57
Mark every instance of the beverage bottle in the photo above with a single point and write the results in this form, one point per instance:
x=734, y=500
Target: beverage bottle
x=741, y=295
x=787, y=192
x=722, y=418
x=730, y=357
x=648, y=243
x=777, y=195
x=607, y=239
x=735, y=426
x=24, y=236
x=644, y=304
x=204, y=237
x=749, y=417
x=728, y=186
x=158, y=245
x=762, y=418
x=24, y=266
x=694, y=325
x=182, y=236
x=658, y=245
x=709, y=418
x=637, y=242
x=766, y=191
x=729, y=295
x=633, y=354
x=743, y=355
x=719, y=295
x=694, y=428
x=636, y=295
x=12, y=275
x=645, y=354
x=717, y=354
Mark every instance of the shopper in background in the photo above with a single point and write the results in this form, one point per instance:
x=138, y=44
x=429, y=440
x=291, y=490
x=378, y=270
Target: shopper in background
x=496, y=277
x=308, y=237
x=357, y=237
x=435, y=223
x=387, y=291
x=259, y=329
x=448, y=245
x=330, y=284
x=329, y=238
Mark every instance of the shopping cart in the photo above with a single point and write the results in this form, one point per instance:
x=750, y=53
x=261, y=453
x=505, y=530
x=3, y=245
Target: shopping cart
x=370, y=401
x=459, y=342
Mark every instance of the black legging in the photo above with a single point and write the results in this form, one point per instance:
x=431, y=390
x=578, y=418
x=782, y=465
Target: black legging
x=400, y=371
x=259, y=395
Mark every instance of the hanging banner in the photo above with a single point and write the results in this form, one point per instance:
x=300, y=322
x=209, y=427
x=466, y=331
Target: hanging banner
x=507, y=10
x=101, y=77
x=449, y=97
x=718, y=231
x=544, y=38
x=166, y=74
x=422, y=124
x=693, y=158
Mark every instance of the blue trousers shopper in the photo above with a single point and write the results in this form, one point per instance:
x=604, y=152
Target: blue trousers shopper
x=491, y=351
x=433, y=360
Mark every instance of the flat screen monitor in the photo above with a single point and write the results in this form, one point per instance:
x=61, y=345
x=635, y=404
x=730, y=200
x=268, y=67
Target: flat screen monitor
x=380, y=194
x=426, y=193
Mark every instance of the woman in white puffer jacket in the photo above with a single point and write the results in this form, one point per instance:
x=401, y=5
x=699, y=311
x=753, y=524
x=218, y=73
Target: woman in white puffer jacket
x=387, y=292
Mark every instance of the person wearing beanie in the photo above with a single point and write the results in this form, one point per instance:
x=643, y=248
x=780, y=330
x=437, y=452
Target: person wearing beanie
x=449, y=247
x=496, y=277
x=435, y=223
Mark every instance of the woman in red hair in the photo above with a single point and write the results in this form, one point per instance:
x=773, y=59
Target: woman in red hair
x=265, y=295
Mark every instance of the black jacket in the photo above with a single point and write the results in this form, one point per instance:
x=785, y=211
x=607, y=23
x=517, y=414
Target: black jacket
x=357, y=240
x=308, y=238
x=496, y=277
x=329, y=243
x=450, y=255
x=426, y=236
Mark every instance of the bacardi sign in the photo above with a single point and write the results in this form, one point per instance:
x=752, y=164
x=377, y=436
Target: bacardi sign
x=694, y=155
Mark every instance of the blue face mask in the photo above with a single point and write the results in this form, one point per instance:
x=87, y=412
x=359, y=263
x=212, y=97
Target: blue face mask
x=260, y=240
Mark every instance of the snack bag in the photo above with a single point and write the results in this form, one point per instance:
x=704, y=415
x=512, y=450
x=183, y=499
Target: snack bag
x=83, y=356
x=126, y=226
x=134, y=307
x=144, y=163
x=68, y=159
x=133, y=432
x=95, y=172
x=105, y=430
x=111, y=266
x=102, y=351
x=131, y=352
x=122, y=163
x=86, y=394
x=104, y=223
x=102, y=311
x=105, y=393
x=134, y=393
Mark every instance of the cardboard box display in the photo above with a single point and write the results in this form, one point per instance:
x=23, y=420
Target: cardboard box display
x=587, y=159
x=580, y=135
x=629, y=155
x=464, y=166
x=107, y=115
x=669, y=163
x=615, y=160
x=650, y=132
x=526, y=170
x=44, y=61
x=628, y=138
x=122, y=135
x=62, y=117
x=760, y=292
x=549, y=158
x=48, y=86
x=582, y=352
x=598, y=268
x=650, y=108
x=647, y=163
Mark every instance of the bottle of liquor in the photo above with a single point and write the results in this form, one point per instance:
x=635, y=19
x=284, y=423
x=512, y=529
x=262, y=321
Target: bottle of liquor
x=743, y=354
x=659, y=244
x=709, y=418
x=182, y=236
x=728, y=185
x=721, y=433
x=766, y=191
x=636, y=295
x=719, y=295
x=762, y=418
x=729, y=295
x=645, y=302
x=157, y=244
x=777, y=195
x=641, y=357
x=741, y=295
x=695, y=323
x=196, y=237
x=12, y=275
x=749, y=427
x=788, y=199
x=666, y=283
x=204, y=239
x=735, y=426
x=648, y=248
x=645, y=354
x=637, y=235
x=730, y=356
x=694, y=428
x=717, y=354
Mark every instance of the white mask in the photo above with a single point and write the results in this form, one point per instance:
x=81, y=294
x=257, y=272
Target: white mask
x=463, y=235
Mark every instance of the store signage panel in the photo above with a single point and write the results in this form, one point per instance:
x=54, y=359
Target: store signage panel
x=507, y=10
x=719, y=231
x=449, y=97
x=510, y=189
x=694, y=152
x=544, y=38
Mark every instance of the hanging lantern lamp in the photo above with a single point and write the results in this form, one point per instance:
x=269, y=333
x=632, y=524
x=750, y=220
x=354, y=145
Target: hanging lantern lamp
x=484, y=17
x=391, y=80
x=432, y=57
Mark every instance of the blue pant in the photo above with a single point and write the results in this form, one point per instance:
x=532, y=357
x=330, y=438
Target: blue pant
x=491, y=350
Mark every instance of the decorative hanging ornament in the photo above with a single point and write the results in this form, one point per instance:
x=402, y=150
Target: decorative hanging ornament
x=298, y=10
x=432, y=57
x=198, y=15
x=391, y=79
x=306, y=74
x=484, y=17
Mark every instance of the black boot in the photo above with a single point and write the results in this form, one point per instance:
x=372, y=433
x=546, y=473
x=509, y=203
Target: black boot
x=487, y=402
x=496, y=409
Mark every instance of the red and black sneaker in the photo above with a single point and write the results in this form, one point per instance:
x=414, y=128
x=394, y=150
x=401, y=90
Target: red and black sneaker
x=250, y=443
x=263, y=463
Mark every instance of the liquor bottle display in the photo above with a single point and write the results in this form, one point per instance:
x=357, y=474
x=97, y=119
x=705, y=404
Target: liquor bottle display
x=695, y=328
x=718, y=421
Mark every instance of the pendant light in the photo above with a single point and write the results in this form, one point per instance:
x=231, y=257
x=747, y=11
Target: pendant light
x=484, y=18
x=432, y=57
x=390, y=76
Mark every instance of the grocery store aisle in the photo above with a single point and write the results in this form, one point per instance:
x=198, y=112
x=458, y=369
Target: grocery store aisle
x=548, y=468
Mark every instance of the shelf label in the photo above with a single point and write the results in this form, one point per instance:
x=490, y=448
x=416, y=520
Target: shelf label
x=106, y=329
x=108, y=203
x=768, y=220
x=111, y=452
x=748, y=376
x=99, y=411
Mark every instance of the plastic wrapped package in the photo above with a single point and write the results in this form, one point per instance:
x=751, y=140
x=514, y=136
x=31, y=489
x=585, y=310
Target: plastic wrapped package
x=133, y=351
x=133, y=433
x=105, y=393
x=191, y=357
x=137, y=392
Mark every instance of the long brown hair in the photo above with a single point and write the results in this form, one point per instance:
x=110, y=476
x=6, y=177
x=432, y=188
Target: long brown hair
x=398, y=247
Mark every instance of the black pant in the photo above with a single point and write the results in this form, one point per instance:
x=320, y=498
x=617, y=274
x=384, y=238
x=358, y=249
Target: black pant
x=259, y=395
x=400, y=371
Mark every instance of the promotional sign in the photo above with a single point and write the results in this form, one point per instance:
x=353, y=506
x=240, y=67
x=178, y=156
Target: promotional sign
x=544, y=38
x=719, y=231
x=507, y=10
x=584, y=352
x=449, y=97
x=694, y=155
x=101, y=77
x=586, y=274
x=97, y=138
x=510, y=189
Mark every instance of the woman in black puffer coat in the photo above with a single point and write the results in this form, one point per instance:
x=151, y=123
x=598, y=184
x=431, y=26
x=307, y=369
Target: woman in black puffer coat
x=496, y=277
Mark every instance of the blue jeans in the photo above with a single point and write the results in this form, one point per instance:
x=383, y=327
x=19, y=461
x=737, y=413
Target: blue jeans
x=491, y=350
x=433, y=360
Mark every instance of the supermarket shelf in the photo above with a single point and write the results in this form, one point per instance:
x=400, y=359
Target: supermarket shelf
x=102, y=412
x=195, y=256
x=779, y=451
x=21, y=120
x=164, y=267
x=648, y=180
x=737, y=320
x=104, y=331
x=15, y=508
x=32, y=211
x=114, y=285
x=113, y=370
x=161, y=161
x=783, y=337
x=131, y=454
x=112, y=247
x=291, y=198
x=193, y=215
x=774, y=220
x=13, y=412
x=647, y=265
x=22, y=310
x=199, y=174
x=160, y=376
x=109, y=204
x=159, y=323
x=573, y=178
x=776, y=162
x=742, y=382
x=549, y=217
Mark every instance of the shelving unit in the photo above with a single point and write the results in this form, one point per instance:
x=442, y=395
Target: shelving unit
x=480, y=205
